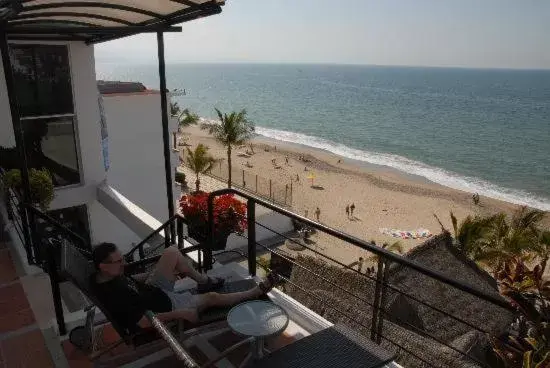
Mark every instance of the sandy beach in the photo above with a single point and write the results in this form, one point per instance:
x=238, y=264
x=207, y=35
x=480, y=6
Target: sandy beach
x=383, y=197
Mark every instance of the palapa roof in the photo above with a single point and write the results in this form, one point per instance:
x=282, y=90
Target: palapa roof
x=404, y=326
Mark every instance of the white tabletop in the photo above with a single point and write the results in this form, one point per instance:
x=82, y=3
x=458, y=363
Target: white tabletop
x=257, y=318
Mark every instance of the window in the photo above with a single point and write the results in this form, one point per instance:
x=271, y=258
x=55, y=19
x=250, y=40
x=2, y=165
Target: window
x=44, y=94
x=43, y=80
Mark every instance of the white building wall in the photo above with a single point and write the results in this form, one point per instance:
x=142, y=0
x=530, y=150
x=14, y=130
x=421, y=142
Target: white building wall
x=136, y=150
x=106, y=227
x=88, y=139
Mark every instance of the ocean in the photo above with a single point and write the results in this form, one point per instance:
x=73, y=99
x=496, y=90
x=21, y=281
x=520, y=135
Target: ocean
x=478, y=130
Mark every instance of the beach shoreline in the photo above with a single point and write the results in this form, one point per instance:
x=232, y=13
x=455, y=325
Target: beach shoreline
x=384, y=197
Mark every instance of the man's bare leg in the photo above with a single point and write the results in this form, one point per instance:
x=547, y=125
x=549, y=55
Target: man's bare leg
x=226, y=300
x=172, y=263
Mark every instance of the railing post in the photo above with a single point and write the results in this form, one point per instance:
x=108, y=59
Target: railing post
x=382, y=302
x=286, y=192
x=291, y=193
x=210, y=235
x=179, y=229
x=56, y=292
x=270, y=190
x=360, y=264
x=375, y=305
x=251, y=220
x=256, y=183
x=244, y=184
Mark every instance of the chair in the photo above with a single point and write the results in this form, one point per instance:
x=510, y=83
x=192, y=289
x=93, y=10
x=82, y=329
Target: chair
x=78, y=269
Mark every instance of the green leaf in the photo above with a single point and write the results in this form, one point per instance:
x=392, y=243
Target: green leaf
x=527, y=358
x=531, y=341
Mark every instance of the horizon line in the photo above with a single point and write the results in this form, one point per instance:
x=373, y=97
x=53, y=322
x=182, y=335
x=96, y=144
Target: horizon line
x=146, y=63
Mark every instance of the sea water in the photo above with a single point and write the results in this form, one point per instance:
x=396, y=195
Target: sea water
x=478, y=130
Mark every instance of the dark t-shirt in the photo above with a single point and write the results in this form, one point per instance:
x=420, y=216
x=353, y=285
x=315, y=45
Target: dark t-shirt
x=127, y=300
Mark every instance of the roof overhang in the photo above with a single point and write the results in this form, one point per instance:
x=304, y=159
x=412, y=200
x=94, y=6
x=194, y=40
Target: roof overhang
x=98, y=21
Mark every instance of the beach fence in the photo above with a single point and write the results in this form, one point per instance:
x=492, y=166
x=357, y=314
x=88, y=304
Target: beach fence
x=269, y=189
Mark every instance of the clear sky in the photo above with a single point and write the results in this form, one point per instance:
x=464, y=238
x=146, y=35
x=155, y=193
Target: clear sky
x=465, y=33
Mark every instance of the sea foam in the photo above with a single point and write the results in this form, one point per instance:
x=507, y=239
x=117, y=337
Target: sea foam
x=435, y=174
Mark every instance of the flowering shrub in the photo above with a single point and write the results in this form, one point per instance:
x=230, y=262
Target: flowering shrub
x=229, y=213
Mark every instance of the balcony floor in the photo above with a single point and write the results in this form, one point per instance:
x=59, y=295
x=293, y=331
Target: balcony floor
x=22, y=343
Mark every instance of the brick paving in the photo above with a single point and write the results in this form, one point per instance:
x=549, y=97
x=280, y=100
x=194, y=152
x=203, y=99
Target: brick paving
x=21, y=341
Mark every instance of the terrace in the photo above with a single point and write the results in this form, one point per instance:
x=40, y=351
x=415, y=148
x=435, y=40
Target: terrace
x=431, y=308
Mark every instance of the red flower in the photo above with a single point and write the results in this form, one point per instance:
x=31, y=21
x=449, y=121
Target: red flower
x=229, y=213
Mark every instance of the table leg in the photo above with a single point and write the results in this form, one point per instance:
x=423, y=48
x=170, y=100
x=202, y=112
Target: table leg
x=258, y=348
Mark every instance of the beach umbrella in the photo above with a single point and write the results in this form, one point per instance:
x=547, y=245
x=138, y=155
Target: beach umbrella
x=311, y=176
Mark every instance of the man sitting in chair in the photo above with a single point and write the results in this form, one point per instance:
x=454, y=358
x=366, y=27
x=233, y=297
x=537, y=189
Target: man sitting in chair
x=127, y=298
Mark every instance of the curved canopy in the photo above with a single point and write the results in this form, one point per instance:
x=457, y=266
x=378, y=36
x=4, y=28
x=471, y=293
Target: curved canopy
x=97, y=21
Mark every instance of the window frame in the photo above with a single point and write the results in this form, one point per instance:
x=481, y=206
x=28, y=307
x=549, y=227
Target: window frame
x=72, y=115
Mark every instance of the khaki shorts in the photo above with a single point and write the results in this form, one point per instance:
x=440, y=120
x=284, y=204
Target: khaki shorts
x=184, y=300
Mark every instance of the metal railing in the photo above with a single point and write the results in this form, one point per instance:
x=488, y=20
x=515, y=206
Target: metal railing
x=379, y=322
x=269, y=189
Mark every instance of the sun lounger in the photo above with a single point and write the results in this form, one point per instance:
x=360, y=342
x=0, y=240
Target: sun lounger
x=79, y=269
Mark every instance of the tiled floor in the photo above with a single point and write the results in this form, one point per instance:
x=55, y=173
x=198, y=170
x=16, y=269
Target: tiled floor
x=21, y=341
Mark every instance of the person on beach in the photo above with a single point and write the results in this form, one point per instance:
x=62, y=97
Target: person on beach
x=305, y=168
x=127, y=298
x=347, y=211
x=317, y=213
x=297, y=178
x=351, y=209
x=286, y=159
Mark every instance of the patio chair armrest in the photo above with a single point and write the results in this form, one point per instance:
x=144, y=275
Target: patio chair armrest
x=173, y=343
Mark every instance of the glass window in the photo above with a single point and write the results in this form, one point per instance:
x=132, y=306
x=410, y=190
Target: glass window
x=43, y=86
x=50, y=143
x=42, y=79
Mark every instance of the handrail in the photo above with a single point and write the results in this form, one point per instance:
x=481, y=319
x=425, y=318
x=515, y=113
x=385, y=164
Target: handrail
x=359, y=243
x=150, y=236
x=56, y=224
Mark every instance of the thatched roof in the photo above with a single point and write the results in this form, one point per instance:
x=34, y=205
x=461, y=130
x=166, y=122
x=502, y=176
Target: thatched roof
x=404, y=316
x=439, y=254
x=412, y=350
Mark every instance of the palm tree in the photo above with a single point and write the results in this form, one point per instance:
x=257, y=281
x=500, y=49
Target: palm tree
x=186, y=118
x=200, y=161
x=494, y=239
x=395, y=247
x=174, y=109
x=233, y=130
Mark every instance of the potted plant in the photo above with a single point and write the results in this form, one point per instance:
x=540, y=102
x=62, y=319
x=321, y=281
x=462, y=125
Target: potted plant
x=229, y=217
x=41, y=186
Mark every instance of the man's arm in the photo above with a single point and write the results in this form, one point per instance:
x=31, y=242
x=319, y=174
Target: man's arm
x=186, y=314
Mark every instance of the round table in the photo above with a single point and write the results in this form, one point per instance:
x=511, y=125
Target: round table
x=258, y=319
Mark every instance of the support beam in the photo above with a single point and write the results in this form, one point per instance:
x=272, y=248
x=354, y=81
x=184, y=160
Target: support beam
x=47, y=28
x=165, y=132
x=19, y=141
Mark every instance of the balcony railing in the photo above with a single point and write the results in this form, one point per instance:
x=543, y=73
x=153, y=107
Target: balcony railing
x=334, y=289
x=362, y=299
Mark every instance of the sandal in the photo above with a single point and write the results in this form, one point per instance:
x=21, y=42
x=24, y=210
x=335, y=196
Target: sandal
x=210, y=285
x=269, y=283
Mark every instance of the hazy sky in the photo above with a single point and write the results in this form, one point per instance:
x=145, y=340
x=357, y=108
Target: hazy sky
x=467, y=33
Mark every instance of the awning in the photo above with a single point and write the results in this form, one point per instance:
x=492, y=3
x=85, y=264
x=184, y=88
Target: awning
x=98, y=21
